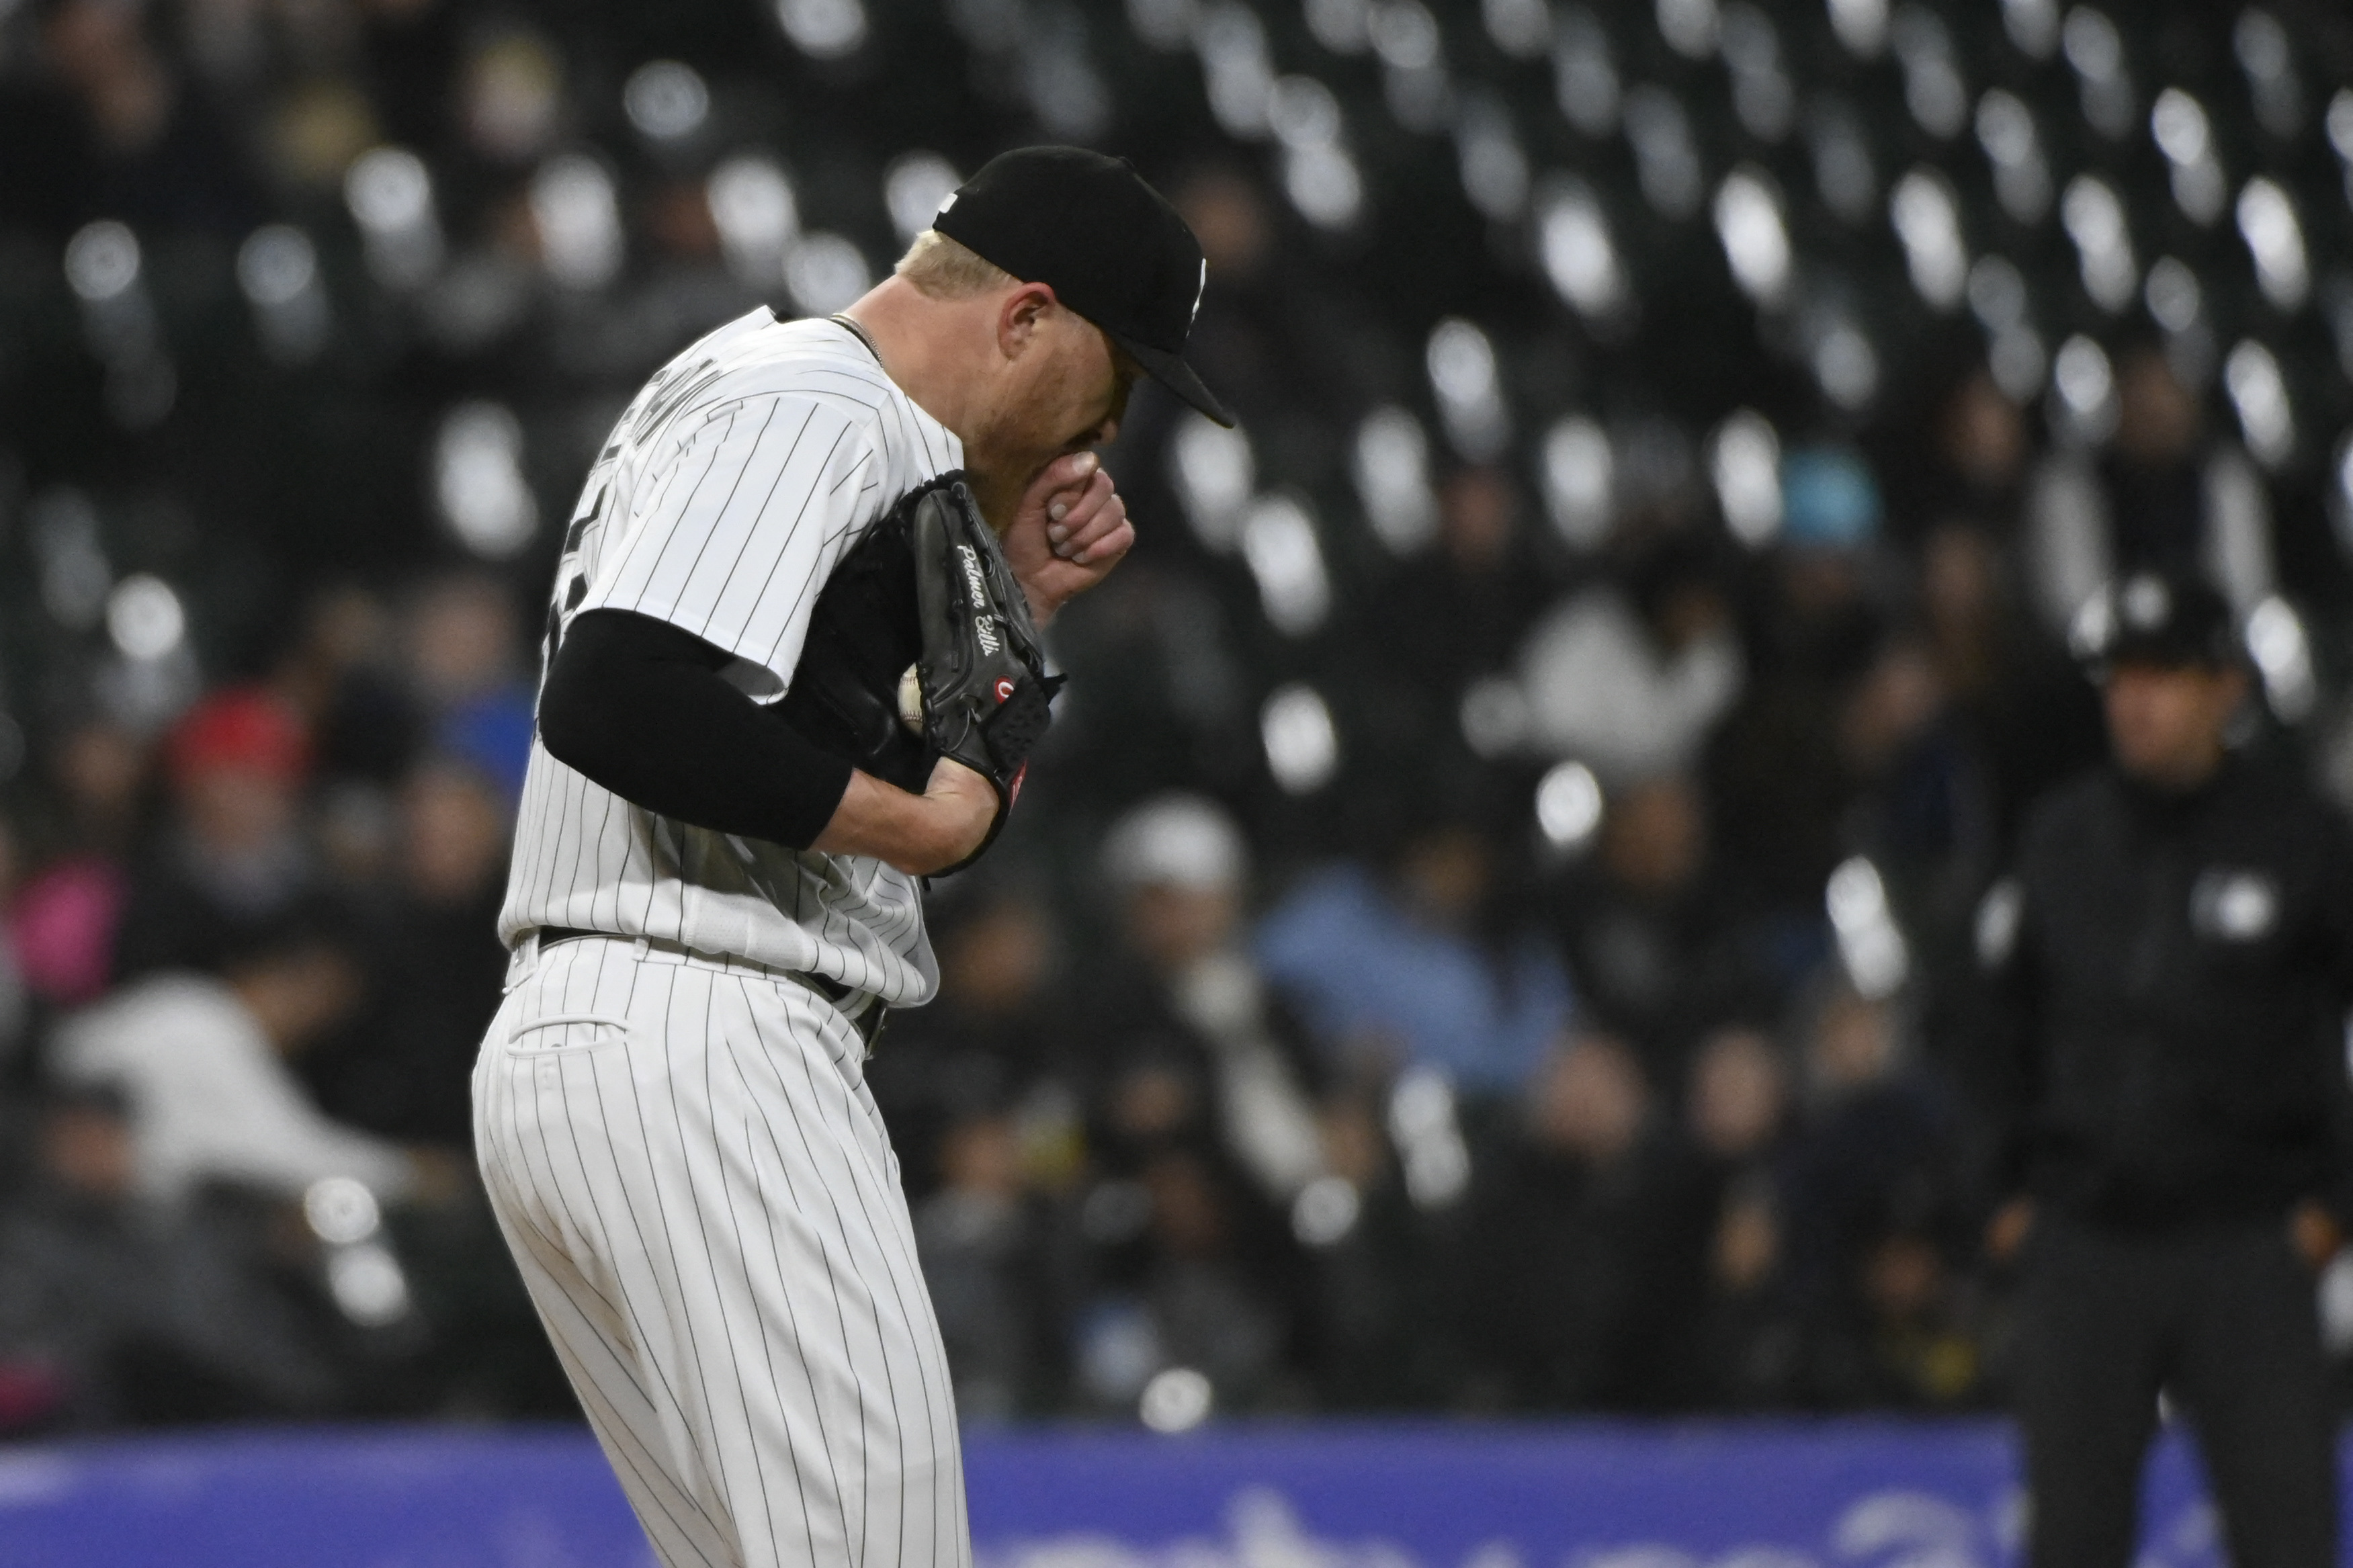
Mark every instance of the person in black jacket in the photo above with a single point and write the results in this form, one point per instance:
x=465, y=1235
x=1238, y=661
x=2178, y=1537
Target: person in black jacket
x=2174, y=958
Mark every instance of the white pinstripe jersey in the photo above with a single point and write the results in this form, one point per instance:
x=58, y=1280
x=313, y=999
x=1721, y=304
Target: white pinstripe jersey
x=733, y=483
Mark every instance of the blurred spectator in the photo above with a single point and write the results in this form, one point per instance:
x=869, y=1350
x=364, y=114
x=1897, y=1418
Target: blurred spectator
x=114, y=1308
x=202, y=1064
x=64, y=918
x=1737, y=1119
x=978, y=1088
x=1001, y=1030
x=1385, y=1302
x=1777, y=769
x=1631, y=682
x=342, y=676
x=1204, y=1130
x=435, y=969
x=2031, y=715
x=1914, y=1344
x=1460, y=612
x=1974, y=465
x=1216, y=1290
x=1876, y=1139
x=233, y=858
x=1737, y=1107
x=1589, y=1246
x=1917, y=789
x=1189, y=1267
x=2162, y=497
x=1179, y=869
x=129, y=139
x=99, y=770
x=1425, y=966
x=983, y=1242
x=462, y=646
x=1656, y=959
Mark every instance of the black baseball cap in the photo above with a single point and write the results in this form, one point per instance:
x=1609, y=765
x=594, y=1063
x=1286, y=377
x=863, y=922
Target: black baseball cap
x=1109, y=247
x=2170, y=620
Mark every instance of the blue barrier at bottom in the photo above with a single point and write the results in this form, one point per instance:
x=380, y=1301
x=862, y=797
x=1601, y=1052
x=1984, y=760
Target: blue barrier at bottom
x=1781, y=1495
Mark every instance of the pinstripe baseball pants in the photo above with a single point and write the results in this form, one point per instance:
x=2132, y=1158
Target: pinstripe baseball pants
x=689, y=1169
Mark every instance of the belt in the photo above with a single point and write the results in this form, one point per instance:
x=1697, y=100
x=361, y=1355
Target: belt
x=865, y=1009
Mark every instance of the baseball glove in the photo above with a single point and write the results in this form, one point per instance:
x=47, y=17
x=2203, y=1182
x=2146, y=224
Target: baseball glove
x=982, y=681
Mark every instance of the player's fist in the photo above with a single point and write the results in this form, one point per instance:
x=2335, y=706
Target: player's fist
x=1069, y=531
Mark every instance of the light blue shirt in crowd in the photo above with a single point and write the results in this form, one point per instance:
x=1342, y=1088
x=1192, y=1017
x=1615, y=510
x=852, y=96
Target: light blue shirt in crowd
x=1356, y=964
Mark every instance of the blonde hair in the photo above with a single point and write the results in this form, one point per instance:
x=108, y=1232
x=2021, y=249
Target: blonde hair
x=942, y=268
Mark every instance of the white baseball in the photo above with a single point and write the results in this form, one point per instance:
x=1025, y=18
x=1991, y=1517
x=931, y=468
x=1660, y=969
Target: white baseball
x=911, y=700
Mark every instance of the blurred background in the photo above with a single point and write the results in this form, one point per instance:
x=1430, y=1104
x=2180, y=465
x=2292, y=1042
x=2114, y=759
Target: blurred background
x=1492, y=930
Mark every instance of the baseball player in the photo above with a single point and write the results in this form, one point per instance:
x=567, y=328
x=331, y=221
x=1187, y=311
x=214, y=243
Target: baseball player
x=791, y=669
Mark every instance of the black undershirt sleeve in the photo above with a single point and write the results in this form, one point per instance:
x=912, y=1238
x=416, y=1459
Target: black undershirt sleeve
x=640, y=707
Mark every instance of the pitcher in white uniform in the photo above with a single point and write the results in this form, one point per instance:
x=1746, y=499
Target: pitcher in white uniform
x=710, y=912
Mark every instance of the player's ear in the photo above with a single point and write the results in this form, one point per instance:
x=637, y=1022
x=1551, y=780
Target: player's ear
x=1020, y=315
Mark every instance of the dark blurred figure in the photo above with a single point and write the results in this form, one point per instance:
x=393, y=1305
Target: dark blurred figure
x=1655, y=958
x=1449, y=618
x=1271, y=326
x=1736, y=1119
x=116, y=1307
x=986, y=1243
x=1917, y=802
x=1878, y=1313
x=1460, y=613
x=1971, y=460
x=1189, y=1265
x=1908, y=1336
x=233, y=858
x=2163, y=496
x=2175, y=960
x=1001, y=1031
x=436, y=968
x=981, y=1091
x=1385, y=1302
x=1778, y=769
x=1877, y=1137
x=2152, y=467
x=1588, y=1255
x=2030, y=717
x=340, y=677
x=120, y=133
x=1220, y=1285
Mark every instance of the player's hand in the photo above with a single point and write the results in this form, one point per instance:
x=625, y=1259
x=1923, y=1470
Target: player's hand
x=1069, y=531
x=962, y=809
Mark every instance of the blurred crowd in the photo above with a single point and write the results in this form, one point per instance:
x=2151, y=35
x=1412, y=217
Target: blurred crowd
x=1492, y=928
